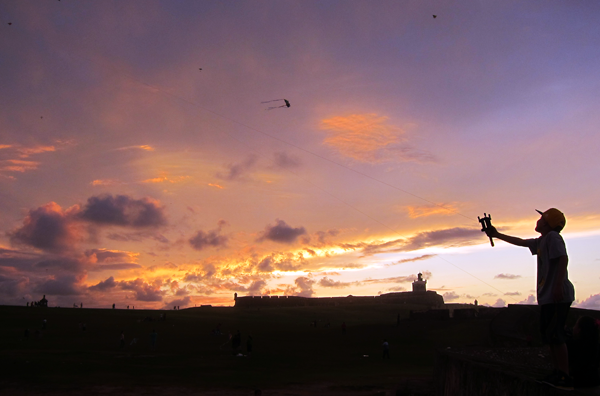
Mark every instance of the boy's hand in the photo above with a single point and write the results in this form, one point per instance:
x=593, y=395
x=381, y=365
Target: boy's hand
x=492, y=232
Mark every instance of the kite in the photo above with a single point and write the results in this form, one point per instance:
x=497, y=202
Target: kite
x=435, y=16
x=287, y=103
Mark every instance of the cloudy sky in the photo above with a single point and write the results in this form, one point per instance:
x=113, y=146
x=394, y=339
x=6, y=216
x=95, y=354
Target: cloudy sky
x=139, y=164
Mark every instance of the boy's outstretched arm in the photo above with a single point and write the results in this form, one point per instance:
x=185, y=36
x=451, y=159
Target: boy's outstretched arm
x=493, y=233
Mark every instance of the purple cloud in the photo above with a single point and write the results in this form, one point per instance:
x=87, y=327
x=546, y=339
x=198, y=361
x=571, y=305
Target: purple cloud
x=327, y=282
x=500, y=303
x=208, y=239
x=281, y=232
x=104, y=285
x=238, y=170
x=65, y=285
x=507, y=276
x=285, y=161
x=47, y=228
x=592, y=302
x=304, y=287
x=182, y=302
x=121, y=210
x=450, y=296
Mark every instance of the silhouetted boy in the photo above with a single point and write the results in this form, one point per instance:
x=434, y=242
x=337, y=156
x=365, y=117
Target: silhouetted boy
x=386, y=349
x=555, y=293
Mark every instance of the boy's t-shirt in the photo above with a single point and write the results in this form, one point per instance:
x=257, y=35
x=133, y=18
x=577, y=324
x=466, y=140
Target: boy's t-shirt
x=547, y=248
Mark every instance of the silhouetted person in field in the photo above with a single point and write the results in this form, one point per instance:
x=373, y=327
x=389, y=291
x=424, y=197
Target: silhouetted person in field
x=236, y=341
x=555, y=292
x=153, y=337
x=386, y=349
x=122, y=339
x=249, y=346
x=113, y=306
x=584, y=352
x=44, y=323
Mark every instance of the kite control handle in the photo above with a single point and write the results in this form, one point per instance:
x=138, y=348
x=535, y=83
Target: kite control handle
x=486, y=223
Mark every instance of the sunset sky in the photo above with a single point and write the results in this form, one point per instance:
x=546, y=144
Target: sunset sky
x=140, y=166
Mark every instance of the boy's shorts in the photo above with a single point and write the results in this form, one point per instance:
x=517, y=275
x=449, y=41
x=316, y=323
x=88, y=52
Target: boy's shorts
x=553, y=318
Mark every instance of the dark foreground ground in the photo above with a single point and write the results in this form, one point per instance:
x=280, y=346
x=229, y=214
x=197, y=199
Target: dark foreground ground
x=290, y=357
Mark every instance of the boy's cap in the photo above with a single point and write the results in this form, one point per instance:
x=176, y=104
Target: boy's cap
x=554, y=217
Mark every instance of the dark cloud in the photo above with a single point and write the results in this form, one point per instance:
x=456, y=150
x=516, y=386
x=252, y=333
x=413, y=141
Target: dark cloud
x=136, y=237
x=237, y=171
x=143, y=291
x=208, y=239
x=282, y=262
x=48, y=228
x=530, y=300
x=452, y=237
x=507, y=276
x=64, y=285
x=592, y=302
x=281, y=232
x=419, y=258
x=265, y=264
x=512, y=293
x=19, y=260
x=105, y=255
x=182, y=302
x=107, y=284
x=256, y=287
x=121, y=210
x=304, y=287
x=450, y=296
x=116, y=266
x=285, y=161
x=327, y=282
x=499, y=303
x=13, y=286
x=61, y=263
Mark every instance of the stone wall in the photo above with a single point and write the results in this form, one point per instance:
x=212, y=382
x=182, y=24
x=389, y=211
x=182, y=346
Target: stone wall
x=428, y=299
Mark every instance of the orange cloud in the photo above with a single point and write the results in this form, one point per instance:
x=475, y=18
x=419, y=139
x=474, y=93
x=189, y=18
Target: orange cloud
x=140, y=147
x=27, y=151
x=430, y=210
x=19, y=165
x=5, y=146
x=104, y=182
x=216, y=185
x=370, y=138
x=164, y=179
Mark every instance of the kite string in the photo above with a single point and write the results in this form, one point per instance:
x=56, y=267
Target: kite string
x=166, y=93
x=398, y=234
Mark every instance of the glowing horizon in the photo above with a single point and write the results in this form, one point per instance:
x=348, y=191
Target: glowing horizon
x=140, y=166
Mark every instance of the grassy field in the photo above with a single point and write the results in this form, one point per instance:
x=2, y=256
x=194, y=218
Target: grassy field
x=286, y=348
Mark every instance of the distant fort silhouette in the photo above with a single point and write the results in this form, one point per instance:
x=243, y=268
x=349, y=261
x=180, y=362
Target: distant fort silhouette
x=419, y=295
